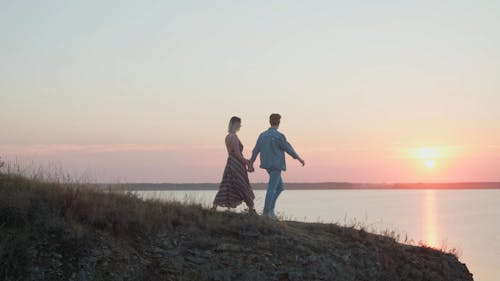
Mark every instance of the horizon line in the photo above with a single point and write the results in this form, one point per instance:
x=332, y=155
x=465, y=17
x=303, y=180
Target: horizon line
x=320, y=182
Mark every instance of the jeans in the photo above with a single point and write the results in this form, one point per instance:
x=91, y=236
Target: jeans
x=274, y=190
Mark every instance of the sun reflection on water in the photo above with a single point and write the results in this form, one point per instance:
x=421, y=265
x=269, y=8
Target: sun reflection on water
x=430, y=221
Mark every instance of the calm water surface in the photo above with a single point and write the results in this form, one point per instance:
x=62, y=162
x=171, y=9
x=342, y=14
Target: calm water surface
x=464, y=219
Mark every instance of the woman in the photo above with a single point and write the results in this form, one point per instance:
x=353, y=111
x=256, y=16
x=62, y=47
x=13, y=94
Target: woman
x=235, y=187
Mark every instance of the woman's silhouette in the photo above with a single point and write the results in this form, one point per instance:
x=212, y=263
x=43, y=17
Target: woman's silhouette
x=235, y=187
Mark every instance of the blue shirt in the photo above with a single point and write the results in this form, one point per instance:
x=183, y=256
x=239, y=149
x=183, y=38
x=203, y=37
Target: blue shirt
x=272, y=146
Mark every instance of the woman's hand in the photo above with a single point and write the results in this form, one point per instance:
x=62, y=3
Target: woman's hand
x=250, y=166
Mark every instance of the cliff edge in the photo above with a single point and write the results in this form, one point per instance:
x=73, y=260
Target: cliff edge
x=60, y=231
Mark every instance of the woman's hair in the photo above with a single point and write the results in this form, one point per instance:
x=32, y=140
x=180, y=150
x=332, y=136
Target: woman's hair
x=235, y=121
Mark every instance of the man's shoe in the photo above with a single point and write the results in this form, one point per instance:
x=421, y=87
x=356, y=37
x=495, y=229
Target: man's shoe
x=271, y=215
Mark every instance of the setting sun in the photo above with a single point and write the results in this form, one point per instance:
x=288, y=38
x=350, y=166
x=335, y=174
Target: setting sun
x=428, y=155
x=430, y=163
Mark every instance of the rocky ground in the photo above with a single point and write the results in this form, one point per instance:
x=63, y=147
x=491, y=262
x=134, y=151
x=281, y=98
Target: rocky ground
x=69, y=232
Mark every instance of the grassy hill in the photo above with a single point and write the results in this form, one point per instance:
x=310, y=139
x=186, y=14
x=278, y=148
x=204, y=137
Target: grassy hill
x=60, y=231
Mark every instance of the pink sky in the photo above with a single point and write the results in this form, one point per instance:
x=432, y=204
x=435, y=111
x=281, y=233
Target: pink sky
x=123, y=163
x=143, y=92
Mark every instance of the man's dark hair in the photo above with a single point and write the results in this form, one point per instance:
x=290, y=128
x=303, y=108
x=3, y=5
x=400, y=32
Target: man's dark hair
x=275, y=119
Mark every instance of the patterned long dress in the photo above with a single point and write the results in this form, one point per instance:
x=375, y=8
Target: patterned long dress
x=235, y=186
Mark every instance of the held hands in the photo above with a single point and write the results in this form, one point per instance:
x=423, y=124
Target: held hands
x=250, y=166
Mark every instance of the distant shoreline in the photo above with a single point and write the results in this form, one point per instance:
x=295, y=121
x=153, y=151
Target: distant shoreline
x=310, y=186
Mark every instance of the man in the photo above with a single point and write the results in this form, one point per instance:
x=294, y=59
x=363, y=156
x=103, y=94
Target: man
x=272, y=146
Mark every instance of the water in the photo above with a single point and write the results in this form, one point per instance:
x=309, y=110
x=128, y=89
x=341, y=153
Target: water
x=467, y=220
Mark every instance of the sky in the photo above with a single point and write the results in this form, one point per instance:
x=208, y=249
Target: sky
x=142, y=91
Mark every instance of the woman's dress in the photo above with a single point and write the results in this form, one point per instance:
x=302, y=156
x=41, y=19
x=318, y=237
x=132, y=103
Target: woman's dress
x=235, y=186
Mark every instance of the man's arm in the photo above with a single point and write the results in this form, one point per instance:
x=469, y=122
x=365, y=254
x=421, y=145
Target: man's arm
x=256, y=149
x=287, y=147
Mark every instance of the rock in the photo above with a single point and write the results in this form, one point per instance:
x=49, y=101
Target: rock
x=252, y=274
x=227, y=247
x=220, y=275
x=176, y=263
x=195, y=259
x=249, y=233
x=291, y=273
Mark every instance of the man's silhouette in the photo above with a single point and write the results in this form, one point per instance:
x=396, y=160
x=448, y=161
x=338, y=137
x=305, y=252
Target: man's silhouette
x=272, y=146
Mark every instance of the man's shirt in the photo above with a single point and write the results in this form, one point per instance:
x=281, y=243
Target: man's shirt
x=272, y=146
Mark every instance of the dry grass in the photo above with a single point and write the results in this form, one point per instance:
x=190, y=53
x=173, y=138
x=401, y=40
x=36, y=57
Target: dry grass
x=41, y=216
x=117, y=212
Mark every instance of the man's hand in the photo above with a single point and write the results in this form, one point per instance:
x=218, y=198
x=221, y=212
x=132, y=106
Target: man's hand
x=302, y=161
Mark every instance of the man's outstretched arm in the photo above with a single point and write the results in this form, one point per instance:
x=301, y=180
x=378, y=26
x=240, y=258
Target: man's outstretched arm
x=287, y=147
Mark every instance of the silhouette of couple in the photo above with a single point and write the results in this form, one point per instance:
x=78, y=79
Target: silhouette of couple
x=235, y=186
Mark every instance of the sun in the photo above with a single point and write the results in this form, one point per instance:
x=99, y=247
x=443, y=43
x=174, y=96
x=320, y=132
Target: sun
x=430, y=163
x=428, y=155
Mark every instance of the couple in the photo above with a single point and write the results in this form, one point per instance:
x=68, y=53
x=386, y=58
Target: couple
x=235, y=186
